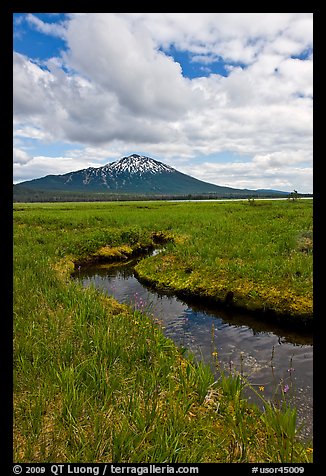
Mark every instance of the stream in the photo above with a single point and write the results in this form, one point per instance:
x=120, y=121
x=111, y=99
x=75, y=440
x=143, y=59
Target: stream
x=269, y=356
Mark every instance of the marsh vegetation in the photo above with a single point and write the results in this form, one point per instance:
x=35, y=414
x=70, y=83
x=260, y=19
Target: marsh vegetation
x=95, y=380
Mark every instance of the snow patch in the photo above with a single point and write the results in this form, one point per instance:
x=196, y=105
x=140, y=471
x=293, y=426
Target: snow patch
x=139, y=164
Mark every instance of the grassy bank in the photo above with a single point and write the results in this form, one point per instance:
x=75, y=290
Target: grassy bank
x=256, y=257
x=97, y=381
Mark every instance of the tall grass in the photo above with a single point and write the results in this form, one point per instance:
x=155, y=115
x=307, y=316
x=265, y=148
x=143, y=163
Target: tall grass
x=95, y=380
x=255, y=252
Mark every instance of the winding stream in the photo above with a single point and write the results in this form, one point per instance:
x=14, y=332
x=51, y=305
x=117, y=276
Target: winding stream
x=268, y=355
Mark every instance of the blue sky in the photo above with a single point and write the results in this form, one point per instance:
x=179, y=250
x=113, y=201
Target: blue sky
x=31, y=42
x=35, y=45
x=196, y=69
x=224, y=97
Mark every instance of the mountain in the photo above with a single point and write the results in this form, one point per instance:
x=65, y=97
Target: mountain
x=134, y=174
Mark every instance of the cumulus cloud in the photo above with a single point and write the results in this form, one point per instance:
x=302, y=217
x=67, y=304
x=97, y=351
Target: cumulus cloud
x=117, y=88
x=20, y=156
x=30, y=83
x=48, y=165
x=262, y=172
x=233, y=36
x=144, y=80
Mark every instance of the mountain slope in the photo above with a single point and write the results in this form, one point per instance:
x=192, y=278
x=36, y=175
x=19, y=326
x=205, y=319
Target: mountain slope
x=134, y=174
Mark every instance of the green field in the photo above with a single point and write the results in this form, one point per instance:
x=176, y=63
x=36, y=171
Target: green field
x=97, y=381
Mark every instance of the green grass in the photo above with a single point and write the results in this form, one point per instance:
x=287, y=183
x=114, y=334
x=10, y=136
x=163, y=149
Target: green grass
x=96, y=381
x=262, y=253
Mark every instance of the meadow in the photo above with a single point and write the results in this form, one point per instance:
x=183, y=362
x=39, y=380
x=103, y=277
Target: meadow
x=97, y=381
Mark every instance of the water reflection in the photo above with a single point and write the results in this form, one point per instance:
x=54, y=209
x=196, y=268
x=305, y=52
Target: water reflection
x=267, y=354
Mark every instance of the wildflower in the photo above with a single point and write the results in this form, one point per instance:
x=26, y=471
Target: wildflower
x=291, y=369
x=261, y=388
x=79, y=268
x=286, y=388
x=214, y=354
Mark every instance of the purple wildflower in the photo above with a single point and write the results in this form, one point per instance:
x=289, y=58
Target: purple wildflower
x=286, y=388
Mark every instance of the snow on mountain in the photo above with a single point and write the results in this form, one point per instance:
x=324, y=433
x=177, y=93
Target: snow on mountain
x=126, y=167
x=139, y=164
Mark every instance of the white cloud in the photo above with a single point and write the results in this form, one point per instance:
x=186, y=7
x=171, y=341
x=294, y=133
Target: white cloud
x=20, y=156
x=48, y=166
x=123, y=60
x=263, y=172
x=55, y=29
x=282, y=159
x=114, y=90
x=30, y=83
x=235, y=36
x=29, y=132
